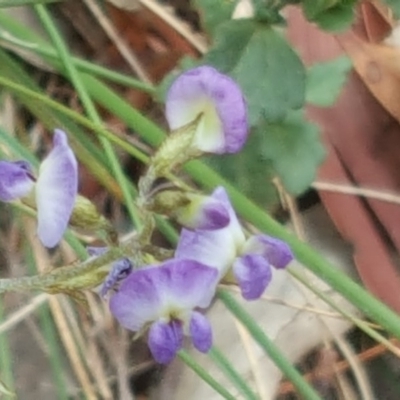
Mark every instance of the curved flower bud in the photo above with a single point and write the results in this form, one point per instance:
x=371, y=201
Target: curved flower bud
x=165, y=296
x=56, y=190
x=228, y=250
x=191, y=210
x=15, y=180
x=205, y=92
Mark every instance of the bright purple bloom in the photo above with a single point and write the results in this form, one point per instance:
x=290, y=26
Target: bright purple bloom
x=55, y=189
x=165, y=298
x=227, y=249
x=203, y=90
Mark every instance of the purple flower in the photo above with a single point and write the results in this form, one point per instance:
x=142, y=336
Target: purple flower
x=229, y=251
x=203, y=90
x=55, y=189
x=164, y=298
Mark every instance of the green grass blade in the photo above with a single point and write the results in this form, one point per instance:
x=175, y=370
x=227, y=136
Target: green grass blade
x=20, y=3
x=16, y=35
x=302, y=386
x=6, y=360
x=203, y=374
x=55, y=354
x=236, y=379
x=90, y=108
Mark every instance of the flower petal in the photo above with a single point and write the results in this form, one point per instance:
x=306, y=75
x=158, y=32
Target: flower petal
x=214, y=248
x=223, y=127
x=217, y=248
x=276, y=251
x=203, y=212
x=151, y=293
x=188, y=284
x=56, y=190
x=234, y=226
x=165, y=339
x=253, y=274
x=139, y=299
x=200, y=331
x=15, y=180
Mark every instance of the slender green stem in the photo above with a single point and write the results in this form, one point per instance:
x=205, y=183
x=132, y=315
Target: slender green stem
x=362, y=325
x=203, y=374
x=80, y=119
x=236, y=379
x=20, y=3
x=49, y=332
x=268, y=346
x=208, y=178
x=16, y=35
x=6, y=359
x=90, y=109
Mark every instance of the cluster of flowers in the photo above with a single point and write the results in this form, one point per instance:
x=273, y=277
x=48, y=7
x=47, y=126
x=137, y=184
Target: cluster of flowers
x=212, y=248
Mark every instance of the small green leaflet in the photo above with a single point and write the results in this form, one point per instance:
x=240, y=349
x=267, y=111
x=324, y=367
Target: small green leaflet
x=395, y=6
x=267, y=69
x=294, y=148
x=330, y=15
x=325, y=81
x=214, y=12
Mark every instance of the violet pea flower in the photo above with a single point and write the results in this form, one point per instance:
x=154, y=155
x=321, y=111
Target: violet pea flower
x=223, y=127
x=165, y=298
x=55, y=189
x=228, y=250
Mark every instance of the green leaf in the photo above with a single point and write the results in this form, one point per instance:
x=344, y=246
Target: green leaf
x=249, y=170
x=395, y=6
x=268, y=70
x=334, y=16
x=214, y=12
x=325, y=81
x=294, y=148
x=312, y=8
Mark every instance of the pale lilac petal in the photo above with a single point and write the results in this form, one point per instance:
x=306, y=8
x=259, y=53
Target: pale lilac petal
x=15, y=180
x=148, y=294
x=188, y=284
x=276, y=251
x=204, y=212
x=214, y=248
x=165, y=339
x=200, y=331
x=223, y=128
x=253, y=274
x=119, y=271
x=56, y=190
x=139, y=299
